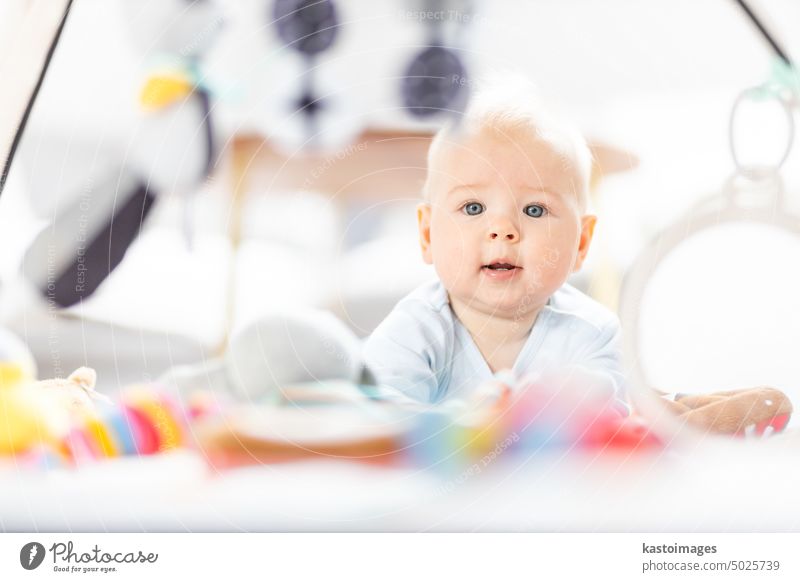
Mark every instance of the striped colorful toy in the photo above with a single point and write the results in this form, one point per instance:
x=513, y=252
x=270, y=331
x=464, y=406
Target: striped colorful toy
x=148, y=420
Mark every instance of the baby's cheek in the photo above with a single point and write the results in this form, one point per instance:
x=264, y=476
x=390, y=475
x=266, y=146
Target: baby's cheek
x=551, y=268
x=559, y=247
x=450, y=264
x=450, y=249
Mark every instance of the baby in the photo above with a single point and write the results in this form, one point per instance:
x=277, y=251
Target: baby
x=504, y=222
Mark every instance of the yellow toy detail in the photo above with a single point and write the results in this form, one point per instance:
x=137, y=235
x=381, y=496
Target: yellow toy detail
x=163, y=90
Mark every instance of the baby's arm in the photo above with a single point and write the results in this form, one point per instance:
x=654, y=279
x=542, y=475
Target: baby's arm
x=400, y=353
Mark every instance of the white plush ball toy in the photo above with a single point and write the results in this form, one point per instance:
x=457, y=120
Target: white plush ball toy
x=282, y=350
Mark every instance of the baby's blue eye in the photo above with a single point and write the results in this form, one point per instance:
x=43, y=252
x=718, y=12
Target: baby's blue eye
x=534, y=210
x=473, y=208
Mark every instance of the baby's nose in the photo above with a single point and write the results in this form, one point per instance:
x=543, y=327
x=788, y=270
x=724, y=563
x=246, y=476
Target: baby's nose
x=504, y=232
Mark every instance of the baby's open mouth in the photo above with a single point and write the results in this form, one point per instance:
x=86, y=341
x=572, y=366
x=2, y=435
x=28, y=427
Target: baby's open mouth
x=500, y=267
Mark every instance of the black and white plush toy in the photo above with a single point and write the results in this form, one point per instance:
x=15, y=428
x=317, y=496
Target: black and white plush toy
x=171, y=150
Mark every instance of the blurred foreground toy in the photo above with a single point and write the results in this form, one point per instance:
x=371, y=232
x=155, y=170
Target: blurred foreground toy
x=573, y=412
x=280, y=350
x=75, y=393
x=261, y=435
x=60, y=422
x=16, y=361
x=27, y=419
x=332, y=419
x=323, y=420
x=274, y=352
x=148, y=420
x=37, y=414
x=23, y=421
x=337, y=420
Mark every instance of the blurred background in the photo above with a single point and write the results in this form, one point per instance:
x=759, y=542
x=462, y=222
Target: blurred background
x=278, y=225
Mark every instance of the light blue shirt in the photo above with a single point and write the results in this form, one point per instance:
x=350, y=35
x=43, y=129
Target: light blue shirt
x=423, y=350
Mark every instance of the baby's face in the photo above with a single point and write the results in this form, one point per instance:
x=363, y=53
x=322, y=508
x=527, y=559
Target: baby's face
x=503, y=225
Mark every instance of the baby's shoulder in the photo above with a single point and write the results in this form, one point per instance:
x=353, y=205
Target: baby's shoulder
x=421, y=319
x=571, y=304
x=427, y=305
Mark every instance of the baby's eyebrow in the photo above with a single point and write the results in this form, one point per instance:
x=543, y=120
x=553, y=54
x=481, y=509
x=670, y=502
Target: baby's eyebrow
x=543, y=190
x=525, y=189
x=458, y=187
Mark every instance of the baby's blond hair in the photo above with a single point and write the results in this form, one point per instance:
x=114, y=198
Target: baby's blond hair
x=508, y=102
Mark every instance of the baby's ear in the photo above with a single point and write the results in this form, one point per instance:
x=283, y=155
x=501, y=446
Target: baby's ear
x=424, y=225
x=587, y=231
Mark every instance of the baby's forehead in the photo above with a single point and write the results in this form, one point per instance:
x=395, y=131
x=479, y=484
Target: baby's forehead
x=517, y=159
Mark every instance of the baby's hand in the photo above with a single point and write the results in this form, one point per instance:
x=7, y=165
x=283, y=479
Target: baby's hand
x=486, y=399
x=492, y=394
x=496, y=392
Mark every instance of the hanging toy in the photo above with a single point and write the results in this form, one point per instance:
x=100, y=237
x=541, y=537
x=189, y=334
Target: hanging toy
x=311, y=116
x=755, y=194
x=310, y=28
x=436, y=81
x=172, y=150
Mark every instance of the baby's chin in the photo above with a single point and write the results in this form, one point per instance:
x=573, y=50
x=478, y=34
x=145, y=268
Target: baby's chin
x=505, y=304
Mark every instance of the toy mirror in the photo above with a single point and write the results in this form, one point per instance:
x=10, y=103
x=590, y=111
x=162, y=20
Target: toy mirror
x=710, y=308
